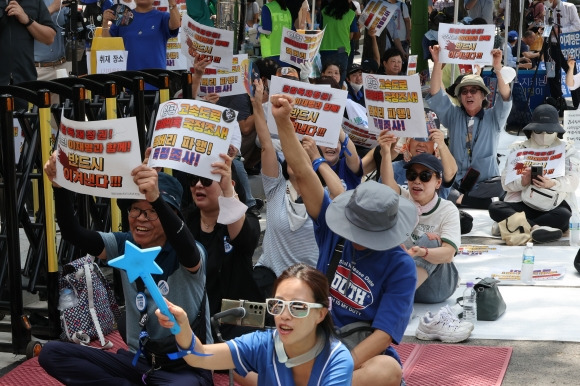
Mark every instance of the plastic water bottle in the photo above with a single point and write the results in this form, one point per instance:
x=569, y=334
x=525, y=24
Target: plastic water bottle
x=527, y=275
x=67, y=299
x=469, y=303
x=575, y=229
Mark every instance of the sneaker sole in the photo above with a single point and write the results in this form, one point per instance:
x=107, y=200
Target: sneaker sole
x=445, y=339
x=545, y=236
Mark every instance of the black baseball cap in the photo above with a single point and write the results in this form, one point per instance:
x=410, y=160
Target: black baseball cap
x=369, y=66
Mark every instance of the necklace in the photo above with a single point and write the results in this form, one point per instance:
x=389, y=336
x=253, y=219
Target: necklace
x=205, y=225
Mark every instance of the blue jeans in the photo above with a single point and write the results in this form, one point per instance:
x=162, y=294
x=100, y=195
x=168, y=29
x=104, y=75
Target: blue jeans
x=244, y=181
x=341, y=58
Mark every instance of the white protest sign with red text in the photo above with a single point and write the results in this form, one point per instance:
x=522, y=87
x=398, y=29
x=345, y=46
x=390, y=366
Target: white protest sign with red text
x=552, y=159
x=377, y=14
x=97, y=157
x=297, y=48
x=360, y=135
x=189, y=136
x=465, y=44
x=208, y=41
x=317, y=110
x=223, y=82
x=395, y=103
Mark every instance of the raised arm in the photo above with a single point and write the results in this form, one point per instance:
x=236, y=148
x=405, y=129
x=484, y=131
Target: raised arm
x=386, y=140
x=333, y=182
x=174, y=16
x=503, y=88
x=436, y=76
x=449, y=164
x=199, y=65
x=309, y=185
x=229, y=196
x=269, y=159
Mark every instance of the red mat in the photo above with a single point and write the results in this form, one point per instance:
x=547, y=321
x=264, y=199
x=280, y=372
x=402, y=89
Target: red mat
x=424, y=365
x=452, y=364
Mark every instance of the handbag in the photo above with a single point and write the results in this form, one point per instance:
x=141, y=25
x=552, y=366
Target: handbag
x=515, y=230
x=541, y=198
x=490, y=303
x=96, y=311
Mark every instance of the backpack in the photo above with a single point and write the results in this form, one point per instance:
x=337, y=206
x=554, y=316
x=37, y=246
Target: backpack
x=530, y=14
x=95, y=313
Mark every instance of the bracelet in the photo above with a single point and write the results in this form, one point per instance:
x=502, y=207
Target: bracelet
x=188, y=351
x=344, y=148
x=30, y=21
x=426, y=252
x=316, y=163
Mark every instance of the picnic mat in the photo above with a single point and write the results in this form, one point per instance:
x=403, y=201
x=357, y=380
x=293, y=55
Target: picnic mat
x=454, y=364
x=30, y=372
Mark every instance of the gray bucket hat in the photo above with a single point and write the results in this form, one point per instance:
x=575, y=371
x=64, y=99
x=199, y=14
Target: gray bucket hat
x=471, y=80
x=545, y=118
x=372, y=215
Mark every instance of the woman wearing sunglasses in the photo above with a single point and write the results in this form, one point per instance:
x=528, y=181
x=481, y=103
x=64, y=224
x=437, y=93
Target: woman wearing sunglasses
x=219, y=222
x=301, y=350
x=432, y=244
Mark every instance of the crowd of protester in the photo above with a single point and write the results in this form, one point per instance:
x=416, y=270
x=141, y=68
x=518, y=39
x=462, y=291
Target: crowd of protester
x=354, y=236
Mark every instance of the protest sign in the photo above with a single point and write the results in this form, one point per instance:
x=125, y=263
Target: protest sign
x=552, y=159
x=412, y=65
x=317, y=111
x=97, y=157
x=377, y=14
x=190, y=135
x=233, y=82
x=360, y=135
x=214, y=43
x=297, y=48
x=176, y=59
x=572, y=127
x=465, y=44
x=111, y=61
x=395, y=103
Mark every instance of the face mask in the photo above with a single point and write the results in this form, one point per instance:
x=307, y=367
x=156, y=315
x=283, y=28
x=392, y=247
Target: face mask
x=544, y=139
x=356, y=87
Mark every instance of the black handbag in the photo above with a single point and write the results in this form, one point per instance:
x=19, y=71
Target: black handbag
x=490, y=303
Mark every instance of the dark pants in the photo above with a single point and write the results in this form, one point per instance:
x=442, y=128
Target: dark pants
x=560, y=63
x=556, y=218
x=73, y=364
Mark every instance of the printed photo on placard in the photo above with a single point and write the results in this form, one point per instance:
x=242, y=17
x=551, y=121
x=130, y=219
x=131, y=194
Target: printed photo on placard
x=317, y=111
x=123, y=15
x=395, y=103
x=97, y=157
x=190, y=135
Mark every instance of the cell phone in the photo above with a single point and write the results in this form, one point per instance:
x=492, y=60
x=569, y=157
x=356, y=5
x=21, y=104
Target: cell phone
x=469, y=180
x=537, y=171
x=255, y=313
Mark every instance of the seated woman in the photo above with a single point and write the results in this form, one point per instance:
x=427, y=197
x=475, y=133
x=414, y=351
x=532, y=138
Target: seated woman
x=549, y=221
x=301, y=350
x=219, y=222
x=392, y=63
x=434, y=241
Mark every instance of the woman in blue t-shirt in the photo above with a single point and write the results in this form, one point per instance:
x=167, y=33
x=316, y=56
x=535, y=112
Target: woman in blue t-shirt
x=301, y=350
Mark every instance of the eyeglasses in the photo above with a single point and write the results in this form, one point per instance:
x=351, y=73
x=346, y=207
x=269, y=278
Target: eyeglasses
x=424, y=176
x=150, y=214
x=472, y=91
x=297, y=308
x=204, y=181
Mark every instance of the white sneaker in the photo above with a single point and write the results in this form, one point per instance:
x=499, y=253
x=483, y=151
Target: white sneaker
x=443, y=326
x=495, y=229
x=453, y=314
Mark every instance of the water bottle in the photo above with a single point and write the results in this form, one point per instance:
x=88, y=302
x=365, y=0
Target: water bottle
x=528, y=264
x=67, y=299
x=469, y=303
x=575, y=229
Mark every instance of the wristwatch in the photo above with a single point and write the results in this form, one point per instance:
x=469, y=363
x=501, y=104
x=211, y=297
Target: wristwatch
x=172, y=6
x=30, y=21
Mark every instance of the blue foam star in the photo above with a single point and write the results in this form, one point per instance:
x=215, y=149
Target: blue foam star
x=137, y=262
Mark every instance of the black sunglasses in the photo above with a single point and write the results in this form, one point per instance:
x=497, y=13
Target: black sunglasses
x=424, y=176
x=204, y=181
